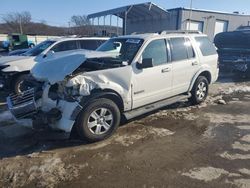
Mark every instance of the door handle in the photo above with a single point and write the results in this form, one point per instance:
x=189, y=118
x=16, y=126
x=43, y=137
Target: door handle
x=194, y=63
x=168, y=69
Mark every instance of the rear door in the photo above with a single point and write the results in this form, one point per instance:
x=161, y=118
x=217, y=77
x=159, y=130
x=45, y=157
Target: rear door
x=185, y=63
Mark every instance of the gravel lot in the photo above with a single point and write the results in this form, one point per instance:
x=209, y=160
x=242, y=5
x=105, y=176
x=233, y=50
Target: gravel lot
x=179, y=146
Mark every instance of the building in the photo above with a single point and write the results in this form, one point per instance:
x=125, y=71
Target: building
x=149, y=17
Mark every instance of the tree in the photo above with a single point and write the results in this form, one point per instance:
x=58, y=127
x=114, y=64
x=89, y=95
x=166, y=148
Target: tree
x=16, y=21
x=79, y=20
x=80, y=25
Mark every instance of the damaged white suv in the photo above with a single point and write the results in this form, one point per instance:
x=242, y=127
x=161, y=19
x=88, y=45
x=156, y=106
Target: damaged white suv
x=127, y=76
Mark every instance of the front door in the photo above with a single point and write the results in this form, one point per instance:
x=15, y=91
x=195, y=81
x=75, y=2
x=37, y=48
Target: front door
x=154, y=83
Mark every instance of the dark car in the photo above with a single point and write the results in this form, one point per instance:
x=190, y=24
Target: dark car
x=234, y=51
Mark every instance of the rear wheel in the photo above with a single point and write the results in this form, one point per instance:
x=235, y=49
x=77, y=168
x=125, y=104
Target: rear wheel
x=200, y=90
x=98, y=120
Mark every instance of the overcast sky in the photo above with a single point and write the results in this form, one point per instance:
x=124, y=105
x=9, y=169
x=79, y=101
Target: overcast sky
x=58, y=12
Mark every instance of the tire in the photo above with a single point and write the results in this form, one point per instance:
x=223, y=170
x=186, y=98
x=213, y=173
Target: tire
x=199, y=91
x=17, y=83
x=31, y=46
x=91, y=123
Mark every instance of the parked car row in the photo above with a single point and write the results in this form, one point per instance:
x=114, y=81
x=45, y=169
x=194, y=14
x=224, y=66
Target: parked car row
x=126, y=76
x=15, y=69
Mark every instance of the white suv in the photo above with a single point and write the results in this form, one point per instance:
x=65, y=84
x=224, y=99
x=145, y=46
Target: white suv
x=128, y=75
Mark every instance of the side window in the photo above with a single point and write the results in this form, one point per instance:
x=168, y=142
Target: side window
x=206, y=46
x=90, y=44
x=178, y=49
x=190, y=49
x=156, y=50
x=65, y=46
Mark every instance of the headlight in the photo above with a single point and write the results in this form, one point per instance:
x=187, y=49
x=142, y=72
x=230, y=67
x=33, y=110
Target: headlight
x=80, y=86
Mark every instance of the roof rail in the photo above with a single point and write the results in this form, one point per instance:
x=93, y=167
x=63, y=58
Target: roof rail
x=179, y=31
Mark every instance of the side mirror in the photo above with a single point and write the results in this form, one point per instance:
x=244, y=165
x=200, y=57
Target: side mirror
x=146, y=63
x=49, y=54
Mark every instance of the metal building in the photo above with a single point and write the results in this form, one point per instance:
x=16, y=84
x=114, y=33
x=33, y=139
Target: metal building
x=149, y=17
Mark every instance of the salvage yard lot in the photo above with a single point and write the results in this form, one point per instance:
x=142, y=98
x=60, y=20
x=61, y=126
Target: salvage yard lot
x=179, y=146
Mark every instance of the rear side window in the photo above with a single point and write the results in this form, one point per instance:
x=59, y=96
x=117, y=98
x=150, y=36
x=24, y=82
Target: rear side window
x=206, y=46
x=156, y=50
x=178, y=49
x=65, y=46
x=90, y=44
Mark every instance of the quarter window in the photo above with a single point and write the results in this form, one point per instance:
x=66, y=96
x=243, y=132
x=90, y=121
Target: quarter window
x=157, y=51
x=206, y=46
x=178, y=49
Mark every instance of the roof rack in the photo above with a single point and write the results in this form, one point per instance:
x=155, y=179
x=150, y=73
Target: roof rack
x=179, y=31
x=164, y=32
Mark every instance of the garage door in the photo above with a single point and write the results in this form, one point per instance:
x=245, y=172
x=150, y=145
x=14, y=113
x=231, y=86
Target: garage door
x=195, y=26
x=220, y=26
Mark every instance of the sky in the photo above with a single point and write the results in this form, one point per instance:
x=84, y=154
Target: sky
x=59, y=12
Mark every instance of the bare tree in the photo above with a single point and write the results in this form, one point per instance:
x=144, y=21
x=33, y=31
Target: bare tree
x=79, y=20
x=80, y=25
x=16, y=21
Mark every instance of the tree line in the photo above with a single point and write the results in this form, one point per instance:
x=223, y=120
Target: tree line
x=21, y=22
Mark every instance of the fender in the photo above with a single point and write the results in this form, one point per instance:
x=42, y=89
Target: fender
x=204, y=68
x=98, y=94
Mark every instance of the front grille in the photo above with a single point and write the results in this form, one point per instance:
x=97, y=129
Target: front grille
x=22, y=105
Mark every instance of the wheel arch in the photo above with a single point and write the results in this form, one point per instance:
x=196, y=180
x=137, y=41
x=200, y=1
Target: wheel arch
x=205, y=72
x=106, y=93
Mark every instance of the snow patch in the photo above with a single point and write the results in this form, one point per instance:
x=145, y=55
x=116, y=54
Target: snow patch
x=246, y=138
x=242, y=183
x=244, y=171
x=235, y=156
x=205, y=173
x=243, y=147
x=244, y=127
x=237, y=89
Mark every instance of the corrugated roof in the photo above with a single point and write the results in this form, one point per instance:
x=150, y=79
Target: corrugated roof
x=205, y=10
x=142, y=10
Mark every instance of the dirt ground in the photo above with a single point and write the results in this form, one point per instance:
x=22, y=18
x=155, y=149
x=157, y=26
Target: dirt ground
x=179, y=146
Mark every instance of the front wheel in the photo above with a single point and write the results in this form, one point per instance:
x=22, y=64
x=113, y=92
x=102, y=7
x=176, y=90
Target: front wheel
x=98, y=120
x=200, y=90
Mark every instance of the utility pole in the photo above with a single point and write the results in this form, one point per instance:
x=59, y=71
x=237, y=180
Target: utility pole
x=69, y=28
x=20, y=25
x=190, y=14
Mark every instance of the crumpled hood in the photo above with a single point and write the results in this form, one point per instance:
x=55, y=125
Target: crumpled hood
x=56, y=67
x=8, y=59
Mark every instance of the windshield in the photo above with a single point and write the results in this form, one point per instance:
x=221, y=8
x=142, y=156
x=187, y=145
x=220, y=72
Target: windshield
x=39, y=48
x=126, y=48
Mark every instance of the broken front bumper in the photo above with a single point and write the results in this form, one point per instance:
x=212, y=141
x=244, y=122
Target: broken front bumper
x=22, y=105
x=58, y=115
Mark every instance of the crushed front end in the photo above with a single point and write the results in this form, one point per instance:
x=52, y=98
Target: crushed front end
x=47, y=106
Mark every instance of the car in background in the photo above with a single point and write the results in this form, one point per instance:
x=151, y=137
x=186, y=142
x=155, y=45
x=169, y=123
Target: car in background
x=15, y=69
x=234, y=51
